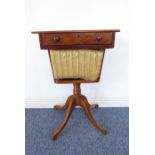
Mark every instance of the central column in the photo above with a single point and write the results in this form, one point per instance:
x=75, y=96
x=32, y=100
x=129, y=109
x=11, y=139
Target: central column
x=76, y=89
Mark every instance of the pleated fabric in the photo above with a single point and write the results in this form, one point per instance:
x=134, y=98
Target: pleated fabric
x=83, y=64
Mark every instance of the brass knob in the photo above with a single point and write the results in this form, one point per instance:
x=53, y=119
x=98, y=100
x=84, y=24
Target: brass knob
x=56, y=39
x=98, y=38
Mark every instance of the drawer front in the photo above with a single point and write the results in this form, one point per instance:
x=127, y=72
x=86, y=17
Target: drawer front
x=76, y=39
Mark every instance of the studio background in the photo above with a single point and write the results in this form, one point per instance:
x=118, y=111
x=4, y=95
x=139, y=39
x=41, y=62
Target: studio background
x=112, y=90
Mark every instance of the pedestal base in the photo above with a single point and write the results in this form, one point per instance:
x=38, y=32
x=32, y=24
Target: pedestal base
x=77, y=99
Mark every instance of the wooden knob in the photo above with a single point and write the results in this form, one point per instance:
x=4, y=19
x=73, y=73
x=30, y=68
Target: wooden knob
x=56, y=39
x=98, y=38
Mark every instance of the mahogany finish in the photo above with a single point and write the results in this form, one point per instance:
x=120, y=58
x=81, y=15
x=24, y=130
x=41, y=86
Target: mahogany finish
x=76, y=39
x=75, y=31
x=77, y=99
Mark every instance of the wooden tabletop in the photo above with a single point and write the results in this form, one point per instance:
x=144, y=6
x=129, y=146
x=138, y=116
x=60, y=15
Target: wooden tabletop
x=75, y=31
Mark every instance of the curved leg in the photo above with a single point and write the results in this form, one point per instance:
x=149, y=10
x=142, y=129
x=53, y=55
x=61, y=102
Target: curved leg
x=91, y=106
x=91, y=118
x=63, y=107
x=63, y=124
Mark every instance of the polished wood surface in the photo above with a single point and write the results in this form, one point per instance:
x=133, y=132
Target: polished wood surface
x=76, y=39
x=75, y=31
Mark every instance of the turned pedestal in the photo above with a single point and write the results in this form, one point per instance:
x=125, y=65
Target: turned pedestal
x=77, y=99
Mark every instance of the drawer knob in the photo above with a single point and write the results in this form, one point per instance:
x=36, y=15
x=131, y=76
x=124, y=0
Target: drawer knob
x=56, y=39
x=98, y=38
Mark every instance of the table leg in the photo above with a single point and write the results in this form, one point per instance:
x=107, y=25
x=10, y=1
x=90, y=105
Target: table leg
x=66, y=118
x=91, y=118
x=63, y=107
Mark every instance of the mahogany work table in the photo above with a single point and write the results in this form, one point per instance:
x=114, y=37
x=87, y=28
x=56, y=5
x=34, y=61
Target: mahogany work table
x=67, y=46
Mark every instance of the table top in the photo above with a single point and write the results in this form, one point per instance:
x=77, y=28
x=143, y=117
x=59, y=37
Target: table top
x=75, y=31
